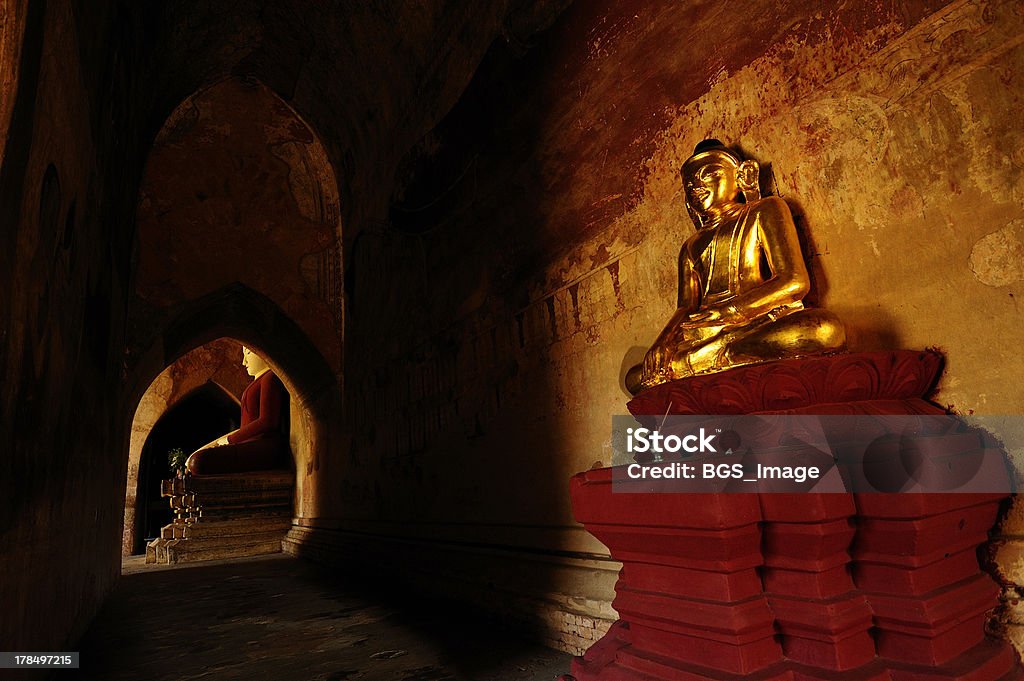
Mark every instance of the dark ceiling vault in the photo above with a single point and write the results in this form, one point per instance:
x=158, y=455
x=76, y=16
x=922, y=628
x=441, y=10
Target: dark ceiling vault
x=371, y=78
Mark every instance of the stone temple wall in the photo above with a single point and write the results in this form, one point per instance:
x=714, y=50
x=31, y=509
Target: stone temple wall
x=531, y=256
x=67, y=188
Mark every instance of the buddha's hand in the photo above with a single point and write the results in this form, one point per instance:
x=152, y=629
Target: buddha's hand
x=654, y=362
x=726, y=314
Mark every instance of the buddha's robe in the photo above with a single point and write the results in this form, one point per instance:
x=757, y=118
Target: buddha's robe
x=762, y=276
x=261, y=443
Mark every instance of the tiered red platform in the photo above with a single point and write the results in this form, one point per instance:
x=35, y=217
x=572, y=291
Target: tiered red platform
x=797, y=586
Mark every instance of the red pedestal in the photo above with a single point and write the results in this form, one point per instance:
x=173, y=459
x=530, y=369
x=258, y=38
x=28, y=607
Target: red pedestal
x=797, y=586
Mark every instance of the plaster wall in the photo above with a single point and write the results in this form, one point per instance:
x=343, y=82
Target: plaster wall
x=503, y=313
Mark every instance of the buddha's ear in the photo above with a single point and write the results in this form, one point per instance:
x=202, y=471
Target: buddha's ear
x=747, y=176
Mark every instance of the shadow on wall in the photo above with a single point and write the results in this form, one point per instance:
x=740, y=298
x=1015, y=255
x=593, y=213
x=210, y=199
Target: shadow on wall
x=469, y=421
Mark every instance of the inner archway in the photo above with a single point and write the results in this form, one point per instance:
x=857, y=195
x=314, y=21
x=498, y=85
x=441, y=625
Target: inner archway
x=238, y=189
x=216, y=363
x=238, y=236
x=236, y=316
x=201, y=416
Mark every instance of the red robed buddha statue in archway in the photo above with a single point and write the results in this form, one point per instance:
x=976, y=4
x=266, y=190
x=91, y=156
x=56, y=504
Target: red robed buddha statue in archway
x=261, y=443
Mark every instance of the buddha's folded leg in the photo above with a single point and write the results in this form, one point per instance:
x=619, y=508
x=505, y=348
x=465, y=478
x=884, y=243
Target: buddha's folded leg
x=799, y=334
x=267, y=453
x=693, y=351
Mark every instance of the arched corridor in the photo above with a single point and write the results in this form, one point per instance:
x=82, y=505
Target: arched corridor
x=465, y=242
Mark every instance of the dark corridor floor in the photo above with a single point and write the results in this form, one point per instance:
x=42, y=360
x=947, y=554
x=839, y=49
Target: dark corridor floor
x=281, y=618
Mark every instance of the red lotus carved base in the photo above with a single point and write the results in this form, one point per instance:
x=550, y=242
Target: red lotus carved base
x=796, y=586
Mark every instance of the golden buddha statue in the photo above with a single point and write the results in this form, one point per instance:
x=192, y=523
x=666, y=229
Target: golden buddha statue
x=742, y=280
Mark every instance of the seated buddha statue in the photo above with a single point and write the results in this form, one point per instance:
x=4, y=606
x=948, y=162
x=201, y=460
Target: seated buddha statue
x=261, y=442
x=742, y=280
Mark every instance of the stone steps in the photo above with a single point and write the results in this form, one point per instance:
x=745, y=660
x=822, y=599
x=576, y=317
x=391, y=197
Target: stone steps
x=221, y=513
x=217, y=484
x=233, y=528
x=187, y=551
x=224, y=516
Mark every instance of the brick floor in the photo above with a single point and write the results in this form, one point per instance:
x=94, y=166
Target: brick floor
x=281, y=618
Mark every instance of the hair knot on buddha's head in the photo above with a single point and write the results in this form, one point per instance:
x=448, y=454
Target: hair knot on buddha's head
x=709, y=143
x=707, y=149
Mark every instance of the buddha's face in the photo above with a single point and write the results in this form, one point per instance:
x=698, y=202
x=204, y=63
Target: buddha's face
x=710, y=184
x=253, y=363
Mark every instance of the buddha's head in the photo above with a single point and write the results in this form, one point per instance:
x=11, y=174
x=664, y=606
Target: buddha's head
x=253, y=363
x=715, y=178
